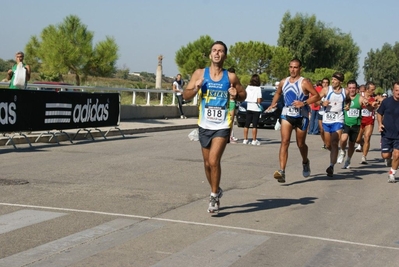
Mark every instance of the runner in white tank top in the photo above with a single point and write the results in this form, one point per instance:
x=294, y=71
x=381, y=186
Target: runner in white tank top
x=333, y=118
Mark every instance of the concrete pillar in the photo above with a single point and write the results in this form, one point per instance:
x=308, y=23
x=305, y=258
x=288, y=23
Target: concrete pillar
x=158, y=77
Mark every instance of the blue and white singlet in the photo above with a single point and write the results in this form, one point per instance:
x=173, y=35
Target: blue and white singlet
x=214, y=102
x=292, y=92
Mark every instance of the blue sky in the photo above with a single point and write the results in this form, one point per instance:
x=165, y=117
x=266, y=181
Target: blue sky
x=144, y=29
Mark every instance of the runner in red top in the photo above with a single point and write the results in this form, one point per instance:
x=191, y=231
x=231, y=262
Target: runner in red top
x=369, y=106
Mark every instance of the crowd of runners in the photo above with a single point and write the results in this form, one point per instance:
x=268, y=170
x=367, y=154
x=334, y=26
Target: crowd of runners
x=345, y=115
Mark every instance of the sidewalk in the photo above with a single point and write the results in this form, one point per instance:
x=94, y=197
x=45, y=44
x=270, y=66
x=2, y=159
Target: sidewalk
x=124, y=128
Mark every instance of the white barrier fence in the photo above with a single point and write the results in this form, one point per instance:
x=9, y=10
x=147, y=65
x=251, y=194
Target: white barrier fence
x=98, y=89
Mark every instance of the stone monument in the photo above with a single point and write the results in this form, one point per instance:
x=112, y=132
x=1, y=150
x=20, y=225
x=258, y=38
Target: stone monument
x=158, y=76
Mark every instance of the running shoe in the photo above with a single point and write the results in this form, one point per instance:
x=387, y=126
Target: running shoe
x=306, y=169
x=245, y=141
x=359, y=148
x=213, y=204
x=364, y=160
x=234, y=138
x=280, y=176
x=220, y=192
x=324, y=147
x=391, y=178
x=342, y=154
x=255, y=143
x=330, y=171
x=347, y=164
x=232, y=141
x=388, y=162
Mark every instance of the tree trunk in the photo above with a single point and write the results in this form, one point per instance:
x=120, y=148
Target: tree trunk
x=77, y=79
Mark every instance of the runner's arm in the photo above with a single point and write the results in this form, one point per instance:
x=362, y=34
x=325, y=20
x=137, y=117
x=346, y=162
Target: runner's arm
x=194, y=84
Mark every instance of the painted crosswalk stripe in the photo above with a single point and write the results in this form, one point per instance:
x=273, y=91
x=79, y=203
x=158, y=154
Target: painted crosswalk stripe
x=76, y=247
x=220, y=249
x=22, y=218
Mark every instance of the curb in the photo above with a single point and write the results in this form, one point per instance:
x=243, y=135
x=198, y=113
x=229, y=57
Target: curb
x=82, y=134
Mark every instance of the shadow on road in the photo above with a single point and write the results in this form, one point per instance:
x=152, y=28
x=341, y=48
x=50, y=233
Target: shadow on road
x=265, y=204
x=354, y=173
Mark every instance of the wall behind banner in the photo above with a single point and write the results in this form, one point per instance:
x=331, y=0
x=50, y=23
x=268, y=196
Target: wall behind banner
x=131, y=112
x=37, y=110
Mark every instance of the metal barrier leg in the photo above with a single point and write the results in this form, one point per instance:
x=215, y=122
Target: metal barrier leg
x=37, y=139
x=76, y=134
x=101, y=132
x=10, y=141
x=69, y=137
x=55, y=137
x=119, y=129
x=88, y=133
x=26, y=138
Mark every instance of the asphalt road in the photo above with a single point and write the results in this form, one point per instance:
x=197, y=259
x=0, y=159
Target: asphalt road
x=142, y=200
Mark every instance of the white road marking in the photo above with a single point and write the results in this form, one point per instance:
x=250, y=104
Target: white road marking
x=204, y=224
x=19, y=219
x=76, y=247
x=219, y=249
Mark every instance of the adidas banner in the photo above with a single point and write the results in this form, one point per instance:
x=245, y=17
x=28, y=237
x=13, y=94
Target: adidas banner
x=29, y=110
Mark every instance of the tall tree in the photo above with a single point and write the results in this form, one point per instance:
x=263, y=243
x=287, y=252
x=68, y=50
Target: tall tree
x=321, y=73
x=382, y=66
x=279, y=63
x=194, y=55
x=251, y=57
x=317, y=45
x=67, y=48
x=5, y=65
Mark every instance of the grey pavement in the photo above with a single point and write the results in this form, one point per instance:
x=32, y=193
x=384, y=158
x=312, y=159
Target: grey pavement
x=124, y=128
x=141, y=200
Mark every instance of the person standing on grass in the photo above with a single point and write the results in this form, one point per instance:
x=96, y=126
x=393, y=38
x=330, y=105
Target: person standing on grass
x=214, y=85
x=294, y=116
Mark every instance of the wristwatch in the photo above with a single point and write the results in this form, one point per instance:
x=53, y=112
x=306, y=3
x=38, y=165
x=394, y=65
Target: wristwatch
x=305, y=103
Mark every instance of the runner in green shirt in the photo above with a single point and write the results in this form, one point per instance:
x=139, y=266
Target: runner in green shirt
x=352, y=120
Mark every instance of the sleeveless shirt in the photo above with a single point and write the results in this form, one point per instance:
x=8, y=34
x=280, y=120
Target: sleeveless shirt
x=353, y=116
x=291, y=92
x=214, y=102
x=334, y=112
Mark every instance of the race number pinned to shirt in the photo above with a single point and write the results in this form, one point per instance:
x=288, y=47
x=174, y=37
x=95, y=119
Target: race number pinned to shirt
x=215, y=114
x=293, y=111
x=366, y=112
x=330, y=117
x=353, y=113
